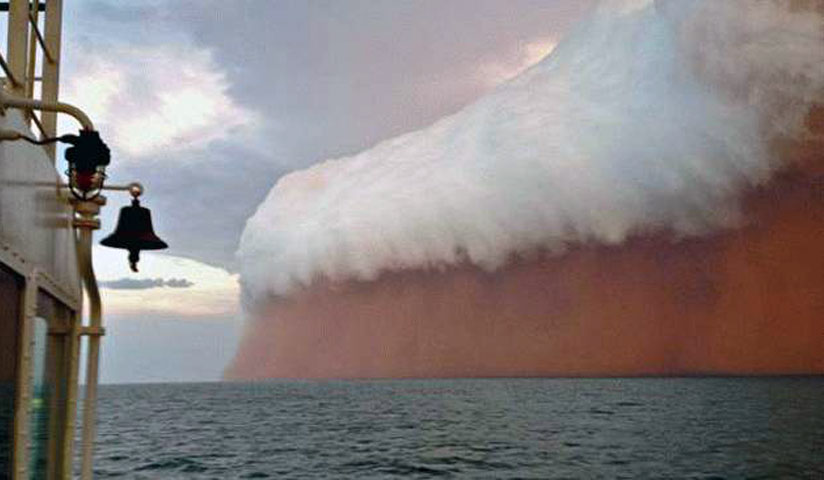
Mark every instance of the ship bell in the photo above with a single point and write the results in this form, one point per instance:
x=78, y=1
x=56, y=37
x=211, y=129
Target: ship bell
x=134, y=233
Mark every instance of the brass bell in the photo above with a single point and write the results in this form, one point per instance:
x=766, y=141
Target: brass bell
x=134, y=233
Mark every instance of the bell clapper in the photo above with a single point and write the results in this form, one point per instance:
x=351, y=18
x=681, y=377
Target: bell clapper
x=134, y=257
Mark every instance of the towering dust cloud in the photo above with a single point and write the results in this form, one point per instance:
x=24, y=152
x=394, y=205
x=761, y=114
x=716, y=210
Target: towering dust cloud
x=648, y=199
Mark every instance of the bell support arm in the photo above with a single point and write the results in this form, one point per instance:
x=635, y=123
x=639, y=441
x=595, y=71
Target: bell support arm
x=135, y=189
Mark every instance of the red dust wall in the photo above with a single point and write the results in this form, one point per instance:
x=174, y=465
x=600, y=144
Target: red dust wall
x=743, y=301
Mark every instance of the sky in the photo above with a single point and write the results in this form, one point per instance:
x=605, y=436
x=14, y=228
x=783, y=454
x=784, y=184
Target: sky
x=208, y=103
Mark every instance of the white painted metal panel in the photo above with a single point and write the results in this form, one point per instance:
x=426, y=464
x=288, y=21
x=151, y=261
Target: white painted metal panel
x=35, y=218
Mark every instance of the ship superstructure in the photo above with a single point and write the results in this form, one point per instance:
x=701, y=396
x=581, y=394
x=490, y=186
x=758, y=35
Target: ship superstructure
x=46, y=276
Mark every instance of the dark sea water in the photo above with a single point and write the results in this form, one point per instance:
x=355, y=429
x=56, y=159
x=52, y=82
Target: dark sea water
x=522, y=428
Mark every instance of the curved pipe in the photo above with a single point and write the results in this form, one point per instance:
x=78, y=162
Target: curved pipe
x=84, y=258
x=27, y=104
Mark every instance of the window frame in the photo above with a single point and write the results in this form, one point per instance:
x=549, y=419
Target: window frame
x=33, y=281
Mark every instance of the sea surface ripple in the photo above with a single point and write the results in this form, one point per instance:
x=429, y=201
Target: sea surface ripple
x=698, y=428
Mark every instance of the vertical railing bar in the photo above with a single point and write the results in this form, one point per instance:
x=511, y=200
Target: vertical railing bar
x=23, y=391
x=71, y=391
x=17, y=43
x=49, y=88
x=32, y=60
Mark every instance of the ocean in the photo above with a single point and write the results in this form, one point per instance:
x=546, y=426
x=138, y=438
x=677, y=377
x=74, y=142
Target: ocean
x=697, y=428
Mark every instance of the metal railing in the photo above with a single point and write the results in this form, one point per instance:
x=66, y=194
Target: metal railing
x=20, y=63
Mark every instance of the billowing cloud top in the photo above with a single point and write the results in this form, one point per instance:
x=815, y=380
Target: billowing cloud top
x=651, y=115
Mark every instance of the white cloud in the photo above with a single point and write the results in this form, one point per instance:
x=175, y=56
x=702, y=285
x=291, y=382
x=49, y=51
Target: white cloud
x=214, y=292
x=152, y=99
x=608, y=137
x=500, y=70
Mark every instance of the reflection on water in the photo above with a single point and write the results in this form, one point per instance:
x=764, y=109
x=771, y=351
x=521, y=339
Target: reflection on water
x=527, y=428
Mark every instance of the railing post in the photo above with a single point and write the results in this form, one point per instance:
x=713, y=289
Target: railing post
x=51, y=69
x=18, y=42
x=71, y=391
x=32, y=61
x=22, y=400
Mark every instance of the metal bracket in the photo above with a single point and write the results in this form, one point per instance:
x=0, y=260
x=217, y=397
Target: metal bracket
x=92, y=331
x=86, y=212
